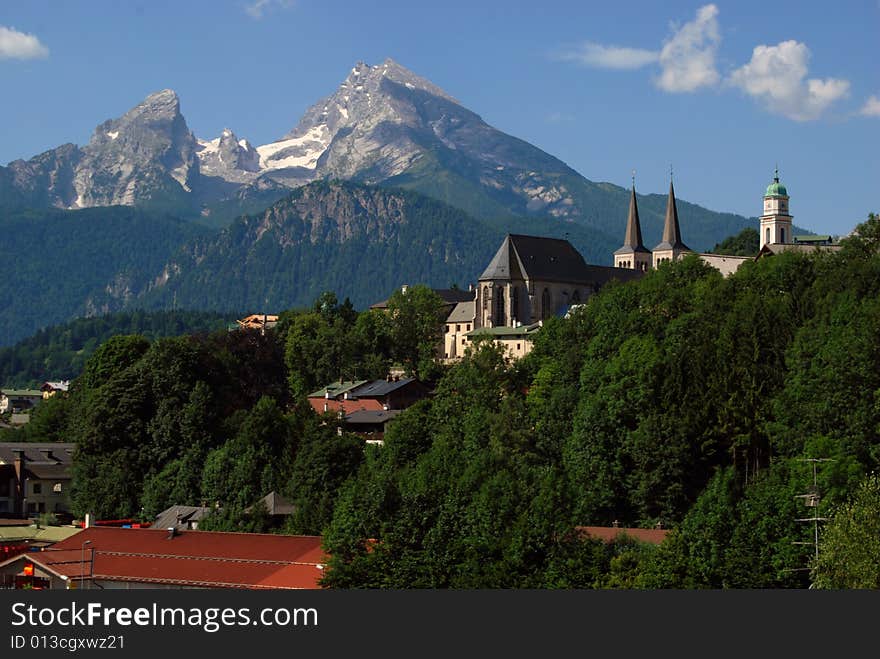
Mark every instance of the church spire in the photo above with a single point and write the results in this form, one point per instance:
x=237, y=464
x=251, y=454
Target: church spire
x=671, y=228
x=633, y=254
x=633, y=236
x=671, y=246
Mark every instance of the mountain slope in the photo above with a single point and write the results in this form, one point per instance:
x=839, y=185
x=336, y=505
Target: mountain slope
x=59, y=265
x=360, y=242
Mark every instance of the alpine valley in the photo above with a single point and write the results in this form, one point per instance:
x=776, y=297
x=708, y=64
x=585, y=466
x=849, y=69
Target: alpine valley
x=388, y=180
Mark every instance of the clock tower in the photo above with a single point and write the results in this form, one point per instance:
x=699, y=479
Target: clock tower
x=775, y=221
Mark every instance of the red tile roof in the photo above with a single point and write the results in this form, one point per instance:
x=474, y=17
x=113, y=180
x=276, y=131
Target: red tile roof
x=347, y=406
x=611, y=533
x=192, y=558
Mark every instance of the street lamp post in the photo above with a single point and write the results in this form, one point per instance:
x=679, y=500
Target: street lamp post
x=82, y=561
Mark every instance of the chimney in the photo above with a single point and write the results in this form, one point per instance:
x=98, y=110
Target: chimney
x=20, y=480
x=88, y=523
x=18, y=462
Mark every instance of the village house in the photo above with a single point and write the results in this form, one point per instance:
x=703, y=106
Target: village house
x=19, y=400
x=345, y=397
x=35, y=478
x=50, y=389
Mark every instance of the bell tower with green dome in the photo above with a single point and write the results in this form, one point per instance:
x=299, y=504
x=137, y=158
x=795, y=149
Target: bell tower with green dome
x=775, y=222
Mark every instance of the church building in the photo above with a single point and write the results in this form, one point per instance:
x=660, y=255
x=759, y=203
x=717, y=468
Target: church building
x=775, y=235
x=532, y=278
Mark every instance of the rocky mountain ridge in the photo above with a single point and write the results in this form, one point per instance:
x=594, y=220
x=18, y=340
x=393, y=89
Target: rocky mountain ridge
x=383, y=125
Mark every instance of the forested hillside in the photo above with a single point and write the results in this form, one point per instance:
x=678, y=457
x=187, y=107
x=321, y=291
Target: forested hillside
x=59, y=352
x=60, y=265
x=684, y=400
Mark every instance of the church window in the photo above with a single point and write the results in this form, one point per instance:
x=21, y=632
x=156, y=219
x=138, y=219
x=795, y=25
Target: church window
x=546, y=309
x=514, y=302
x=576, y=297
x=768, y=235
x=499, y=308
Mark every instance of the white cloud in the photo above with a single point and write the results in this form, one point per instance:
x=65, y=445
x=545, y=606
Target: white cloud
x=18, y=45
x=688, y=56
x=776, y=77
x=258, y=8
x=871, y=108
x=609, y=57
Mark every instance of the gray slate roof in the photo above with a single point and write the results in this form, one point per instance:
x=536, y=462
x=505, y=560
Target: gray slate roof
x=180, y=516
x=464, y=312
x=448, y=295
x=537, y=258
x=371, y=416
x=60, y=452
x=276, y=504
x=379, y=388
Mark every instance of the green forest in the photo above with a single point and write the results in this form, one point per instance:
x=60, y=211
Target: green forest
x=60, y=352
x=683, y=400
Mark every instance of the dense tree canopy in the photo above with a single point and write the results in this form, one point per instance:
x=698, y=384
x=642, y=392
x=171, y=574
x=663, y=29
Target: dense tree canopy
x=684, y=400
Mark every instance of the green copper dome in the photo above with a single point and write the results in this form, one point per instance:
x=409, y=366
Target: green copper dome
x=776, y=189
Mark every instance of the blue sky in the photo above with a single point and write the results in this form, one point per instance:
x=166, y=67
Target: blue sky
x=720, y=91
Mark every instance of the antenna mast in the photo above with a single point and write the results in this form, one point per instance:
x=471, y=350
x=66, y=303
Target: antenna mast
x=811, y=500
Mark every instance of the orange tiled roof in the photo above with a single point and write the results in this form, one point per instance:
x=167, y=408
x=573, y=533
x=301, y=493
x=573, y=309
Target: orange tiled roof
x=195, y=558
x=611, y=533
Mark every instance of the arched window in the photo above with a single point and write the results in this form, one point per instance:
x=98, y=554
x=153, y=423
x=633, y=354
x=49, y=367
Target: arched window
x=546, y=308
x=514, y=302
x=576, y=297
x=768, y=236
x=782, y=236
x=499, y=307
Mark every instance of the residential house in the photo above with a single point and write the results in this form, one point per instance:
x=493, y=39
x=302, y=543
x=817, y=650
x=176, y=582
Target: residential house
x=19, y=400
x=49, y=389
x=257, y=321
x=392, y=393
x=35, y=478
x=277, y=507
x=18, y=536
x=120, y=558
x=370, y=424
x=450, y=297
x=459, y=322
x=181, y=518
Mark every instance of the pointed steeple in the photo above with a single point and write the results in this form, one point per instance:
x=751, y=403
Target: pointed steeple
x=632, y=239
x=671, y=230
